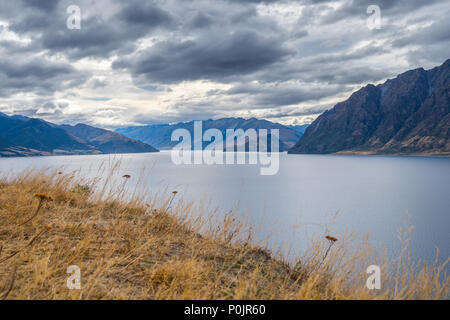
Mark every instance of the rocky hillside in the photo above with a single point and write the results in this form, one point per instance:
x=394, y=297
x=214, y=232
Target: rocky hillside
x=406, y=115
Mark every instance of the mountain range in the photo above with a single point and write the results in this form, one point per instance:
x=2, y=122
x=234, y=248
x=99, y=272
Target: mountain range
x=406, y=115
x=159, y=135
x=23, y=136
x=409, y=114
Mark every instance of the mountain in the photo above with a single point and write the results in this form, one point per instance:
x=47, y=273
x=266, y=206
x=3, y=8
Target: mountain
x=406, y=115
x=38, y=135
x=23, y=136
x=107, y=141
x=160, y=135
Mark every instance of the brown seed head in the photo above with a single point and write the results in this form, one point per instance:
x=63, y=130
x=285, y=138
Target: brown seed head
x=43, y=196
x=332, y=239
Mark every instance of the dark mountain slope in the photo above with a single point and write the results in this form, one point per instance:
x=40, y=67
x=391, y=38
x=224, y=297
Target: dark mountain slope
x=38, y=135
x=4, y=144
x=22, y=136
x=107, y=141
x=7, y=123
x=405, y=115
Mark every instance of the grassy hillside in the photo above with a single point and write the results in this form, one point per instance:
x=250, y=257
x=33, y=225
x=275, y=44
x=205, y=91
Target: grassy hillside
x=136, y=249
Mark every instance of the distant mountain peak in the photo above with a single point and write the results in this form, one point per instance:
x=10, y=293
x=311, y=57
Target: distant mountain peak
x=160, y=135
x=22, y=136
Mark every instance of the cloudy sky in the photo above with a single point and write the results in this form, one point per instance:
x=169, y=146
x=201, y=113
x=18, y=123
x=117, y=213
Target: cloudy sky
x=138, y=62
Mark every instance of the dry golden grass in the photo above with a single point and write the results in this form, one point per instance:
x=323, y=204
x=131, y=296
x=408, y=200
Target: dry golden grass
x=131, y=249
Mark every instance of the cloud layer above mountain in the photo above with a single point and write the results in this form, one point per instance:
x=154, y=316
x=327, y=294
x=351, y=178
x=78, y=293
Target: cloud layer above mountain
x=135, y=62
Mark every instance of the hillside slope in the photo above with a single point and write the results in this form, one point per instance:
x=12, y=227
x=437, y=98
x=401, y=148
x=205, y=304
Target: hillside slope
x=406, y=115
x=107, y=141
x=22, y=136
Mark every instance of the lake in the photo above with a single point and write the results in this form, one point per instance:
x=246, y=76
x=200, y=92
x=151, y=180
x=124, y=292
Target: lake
x=370, y=194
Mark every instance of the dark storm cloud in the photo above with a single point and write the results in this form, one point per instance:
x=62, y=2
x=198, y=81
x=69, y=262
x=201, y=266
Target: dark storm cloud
x=144, y=14
x=209, y=57
x=14, y=48
x=200, y=20
x=100, y=35
x=335, y=69
x=36, y=75
x=44, y=5
x=280, y=95
x=96, y=38
x=437, y=32
x=358, y=8
x=255, y=1
x=347, y=75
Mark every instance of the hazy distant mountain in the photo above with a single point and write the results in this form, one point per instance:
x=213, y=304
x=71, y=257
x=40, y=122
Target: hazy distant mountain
x=406, y=115
x=107, y=141
x=22, y=136
x=160, y=135
x=300, y=128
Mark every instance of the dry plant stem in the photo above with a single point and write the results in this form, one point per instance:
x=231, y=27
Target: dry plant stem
x=28, y=245
x=9, y=257
x=326, y=253
x=11, y=284
x=37, y=236
x=35, y=213
x=170, y=203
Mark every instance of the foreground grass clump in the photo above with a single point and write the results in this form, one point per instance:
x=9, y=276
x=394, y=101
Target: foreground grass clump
x=133, y=249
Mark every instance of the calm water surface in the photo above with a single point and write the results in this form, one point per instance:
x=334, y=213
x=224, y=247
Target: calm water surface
x=372, y=194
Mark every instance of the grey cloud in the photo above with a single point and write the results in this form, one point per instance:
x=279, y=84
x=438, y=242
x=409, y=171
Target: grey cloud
x=16, y=48
x=437, y=32
x=50, y=109
x=97, y=83
x=44, y=5
x=144, y=14
x=200, y=20
x=256, y=1
x=37, y=75
x=350, y=72
x=100, y=34
x=309, y=111
x=211, y=57
x=283, y=94
x=427, y=56
x=358, y=8
x=353, y=75
x=86, y=42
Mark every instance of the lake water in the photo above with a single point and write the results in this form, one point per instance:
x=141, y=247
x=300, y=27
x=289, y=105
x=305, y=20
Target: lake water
x=373, y=194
